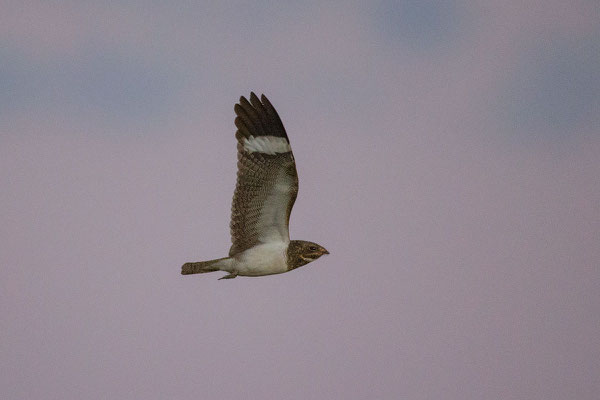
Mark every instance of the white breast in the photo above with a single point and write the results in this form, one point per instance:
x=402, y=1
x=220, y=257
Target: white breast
x=264, y=259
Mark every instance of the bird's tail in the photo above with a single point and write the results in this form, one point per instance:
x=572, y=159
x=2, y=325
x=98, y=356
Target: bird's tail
x=202, y=267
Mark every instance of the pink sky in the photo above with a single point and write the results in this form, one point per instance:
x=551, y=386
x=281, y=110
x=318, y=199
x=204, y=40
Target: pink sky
x=448, y=160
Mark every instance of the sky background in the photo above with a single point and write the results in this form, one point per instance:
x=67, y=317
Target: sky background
x=448, y=155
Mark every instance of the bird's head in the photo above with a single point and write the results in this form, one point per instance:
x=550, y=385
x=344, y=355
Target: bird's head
x=301, y=252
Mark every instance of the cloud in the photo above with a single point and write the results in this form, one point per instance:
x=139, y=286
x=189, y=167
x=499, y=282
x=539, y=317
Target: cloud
x=420, y=25
x=554, y=88
x=98, y=82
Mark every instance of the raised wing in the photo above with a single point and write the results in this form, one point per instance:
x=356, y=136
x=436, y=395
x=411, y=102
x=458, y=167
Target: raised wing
x=267, y=181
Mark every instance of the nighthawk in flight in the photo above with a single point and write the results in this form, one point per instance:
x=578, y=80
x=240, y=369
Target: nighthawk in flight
x=267, y=185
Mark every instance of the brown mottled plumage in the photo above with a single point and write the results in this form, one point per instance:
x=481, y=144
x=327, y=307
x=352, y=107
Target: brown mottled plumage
x=257, y=175
x=266, y=189
x=301, y=252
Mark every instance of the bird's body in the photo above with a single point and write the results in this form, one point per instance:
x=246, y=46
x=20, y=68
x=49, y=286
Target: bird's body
x=263, y=259
x=266, y=189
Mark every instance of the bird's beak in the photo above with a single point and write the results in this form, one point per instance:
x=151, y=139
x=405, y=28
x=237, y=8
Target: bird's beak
x=325, y=251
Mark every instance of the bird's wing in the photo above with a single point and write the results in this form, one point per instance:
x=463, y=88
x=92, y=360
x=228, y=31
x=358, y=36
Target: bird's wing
x=267, y=181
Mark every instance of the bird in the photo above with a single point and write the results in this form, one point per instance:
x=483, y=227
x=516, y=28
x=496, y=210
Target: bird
x=265, y=192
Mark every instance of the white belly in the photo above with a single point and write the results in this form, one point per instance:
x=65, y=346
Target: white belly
x=264, y=259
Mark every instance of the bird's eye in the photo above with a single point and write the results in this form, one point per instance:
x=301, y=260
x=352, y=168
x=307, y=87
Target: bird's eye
x=312, y=248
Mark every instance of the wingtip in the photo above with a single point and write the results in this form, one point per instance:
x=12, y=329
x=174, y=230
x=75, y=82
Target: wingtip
x=259, y=116
x=266, y=102
x=254, y=99
x=253, y=95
